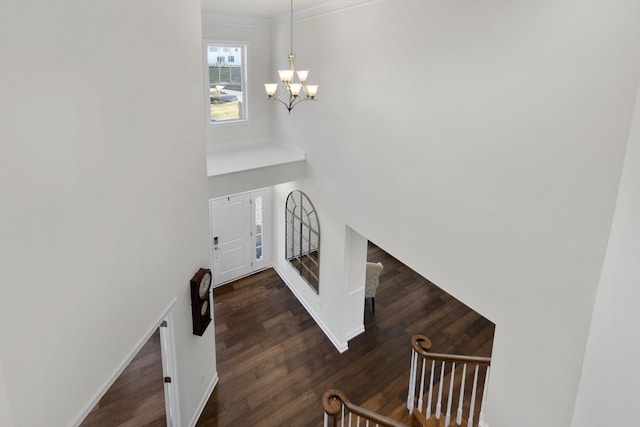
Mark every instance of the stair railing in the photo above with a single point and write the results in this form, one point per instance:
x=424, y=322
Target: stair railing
x=450, y=375
x=340, y=412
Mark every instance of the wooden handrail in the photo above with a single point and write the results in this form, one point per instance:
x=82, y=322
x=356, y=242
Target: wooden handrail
x=337, y=406
x=431, y=394
x=421, y=344
x=333, y=401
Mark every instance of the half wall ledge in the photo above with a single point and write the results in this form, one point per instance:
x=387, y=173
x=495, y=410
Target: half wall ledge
x=240, y=167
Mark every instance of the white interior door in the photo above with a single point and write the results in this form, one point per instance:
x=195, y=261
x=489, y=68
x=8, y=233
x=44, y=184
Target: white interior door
x=231, y=234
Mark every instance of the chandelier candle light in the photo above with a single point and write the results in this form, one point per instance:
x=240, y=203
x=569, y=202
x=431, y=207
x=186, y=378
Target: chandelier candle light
x=298, y=92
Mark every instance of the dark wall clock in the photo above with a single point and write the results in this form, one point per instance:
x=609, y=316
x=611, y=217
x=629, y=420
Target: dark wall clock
x=200, y=307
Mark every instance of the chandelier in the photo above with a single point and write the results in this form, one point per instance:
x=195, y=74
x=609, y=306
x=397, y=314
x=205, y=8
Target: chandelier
x=297, y=92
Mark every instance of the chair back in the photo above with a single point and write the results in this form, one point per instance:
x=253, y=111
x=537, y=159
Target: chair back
x=372, y=279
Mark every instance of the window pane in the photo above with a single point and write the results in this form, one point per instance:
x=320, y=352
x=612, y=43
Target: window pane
x=258, y=224
x=226, y=82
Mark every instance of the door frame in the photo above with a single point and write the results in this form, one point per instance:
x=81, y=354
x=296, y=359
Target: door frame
x=267, y=231
x=170, y=367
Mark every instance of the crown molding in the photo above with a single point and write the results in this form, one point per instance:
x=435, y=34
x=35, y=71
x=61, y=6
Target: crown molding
x=326, y=7
x=245, y=21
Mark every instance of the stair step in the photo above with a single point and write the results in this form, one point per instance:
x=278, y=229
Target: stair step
x=434, y=422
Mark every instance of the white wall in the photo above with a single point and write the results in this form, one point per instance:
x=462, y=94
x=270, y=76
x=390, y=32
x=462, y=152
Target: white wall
x=323, y=307
x=6, y=415
x=485, y=152
x=258, y=127
x=609, y=393
x=103, y=216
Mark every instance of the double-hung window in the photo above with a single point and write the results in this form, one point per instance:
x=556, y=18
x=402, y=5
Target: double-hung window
x=226, y=77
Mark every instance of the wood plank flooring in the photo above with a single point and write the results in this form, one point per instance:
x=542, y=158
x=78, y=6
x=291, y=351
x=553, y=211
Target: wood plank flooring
x=136, y=399
x=275, y=363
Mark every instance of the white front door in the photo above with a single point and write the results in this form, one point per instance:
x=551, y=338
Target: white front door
x=231, y=229
x=239, y=232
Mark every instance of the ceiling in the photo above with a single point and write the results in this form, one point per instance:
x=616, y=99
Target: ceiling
x=263, y=9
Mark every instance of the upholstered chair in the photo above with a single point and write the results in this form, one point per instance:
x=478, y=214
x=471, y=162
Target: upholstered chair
x=371, y=283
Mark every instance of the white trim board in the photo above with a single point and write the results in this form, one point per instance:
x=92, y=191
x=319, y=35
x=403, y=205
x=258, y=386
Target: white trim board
x=203, y=401
x=340, y=346
x=354, y=333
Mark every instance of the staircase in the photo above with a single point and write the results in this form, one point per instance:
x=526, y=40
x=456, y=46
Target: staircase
x=339, y=411
x=445, y=390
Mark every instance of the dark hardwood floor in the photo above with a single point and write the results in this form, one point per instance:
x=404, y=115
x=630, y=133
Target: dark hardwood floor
x=275, y=363
x=136, y=399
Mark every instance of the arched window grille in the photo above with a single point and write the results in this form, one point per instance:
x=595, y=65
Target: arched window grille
x=303, y=237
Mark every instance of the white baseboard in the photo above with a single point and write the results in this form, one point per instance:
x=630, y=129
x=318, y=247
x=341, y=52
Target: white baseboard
x=357, y=331
x=340, y=346
x=203, y=401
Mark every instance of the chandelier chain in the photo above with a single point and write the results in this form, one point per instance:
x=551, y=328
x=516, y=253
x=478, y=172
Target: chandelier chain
x=291, y=21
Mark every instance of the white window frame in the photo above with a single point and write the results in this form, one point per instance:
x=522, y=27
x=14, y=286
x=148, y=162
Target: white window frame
x=245, y=78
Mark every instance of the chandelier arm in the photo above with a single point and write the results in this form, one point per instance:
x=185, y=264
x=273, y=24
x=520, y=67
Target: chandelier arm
x=280, y=100
x=293, y=101
x=299, y=99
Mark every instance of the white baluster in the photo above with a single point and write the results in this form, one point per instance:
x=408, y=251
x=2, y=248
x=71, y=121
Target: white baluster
x=342, y=421
x=481, y=422
x=473, y=397
x=439, y=404
x=433, y=367
x=412, y=380
x=447, y=419
x=326, y=420
x=350, y=417
x=421, y=395
x=357, y=420
x=464, y=376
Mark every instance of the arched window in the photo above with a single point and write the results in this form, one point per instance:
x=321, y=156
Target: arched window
x=303, y=237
